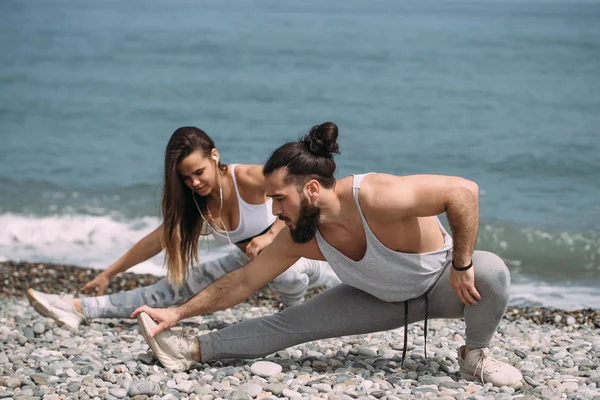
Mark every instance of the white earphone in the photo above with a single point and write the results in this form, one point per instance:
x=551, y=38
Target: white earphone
x=224, y=227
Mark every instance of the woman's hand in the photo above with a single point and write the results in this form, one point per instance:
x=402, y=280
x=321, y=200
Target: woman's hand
x=463, y=285
x=96, y=286
x=257, y=244
x=165, y=317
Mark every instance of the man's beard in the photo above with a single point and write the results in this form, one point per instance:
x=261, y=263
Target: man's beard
x=307, y=224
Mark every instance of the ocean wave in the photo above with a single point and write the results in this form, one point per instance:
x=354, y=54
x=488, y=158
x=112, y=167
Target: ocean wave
x=566, y=297
x=91, y=241
x=534, y=253
x=84, y=240
x=543, y=254
x=548, y=268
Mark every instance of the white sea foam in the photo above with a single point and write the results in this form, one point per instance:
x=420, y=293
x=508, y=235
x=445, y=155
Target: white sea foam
x=83, y=240
x=567, y=297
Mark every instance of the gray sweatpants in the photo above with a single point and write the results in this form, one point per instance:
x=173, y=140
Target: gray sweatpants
x=291, y=285
x=345, y=310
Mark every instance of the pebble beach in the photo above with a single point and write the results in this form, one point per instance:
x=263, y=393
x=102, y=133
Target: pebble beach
x=557, y=351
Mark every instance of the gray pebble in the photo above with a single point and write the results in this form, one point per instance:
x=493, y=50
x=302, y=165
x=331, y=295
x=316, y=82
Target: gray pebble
x=531, y=381
x=73, y=351
x=313, y=353
x=520, y=353
x=171, y=384
x=39, y=328
x=202, y=390
x=251, y=389
x=12, y=382
x=425, y=389
x=367, y=351
x=73, y=387
x=228, y=371
x=119, y=393
x=144, y=387
x=239, y=395
x=322, y=387
x=529, y=366
x=309, y=390
x=158, y=378
x=181, y=376
x=265, y=368
x=560, y=355
x=146, y=358
x=185, y=386
x=291, y=394
x=125, y=383
x=28, y=332
x=275, y=388
x=22, y=339
x=319, y=365
x=573, y=386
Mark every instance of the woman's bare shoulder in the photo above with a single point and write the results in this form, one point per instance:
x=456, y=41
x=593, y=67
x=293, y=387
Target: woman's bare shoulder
x=250, y=177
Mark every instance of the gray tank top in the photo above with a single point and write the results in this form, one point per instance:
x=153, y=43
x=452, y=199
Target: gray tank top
x=387, y=274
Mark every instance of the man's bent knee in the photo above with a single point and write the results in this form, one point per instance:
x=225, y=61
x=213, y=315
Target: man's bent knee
x=491, y=272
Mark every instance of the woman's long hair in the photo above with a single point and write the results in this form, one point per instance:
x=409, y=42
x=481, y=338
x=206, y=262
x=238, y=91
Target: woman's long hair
x=182, y=224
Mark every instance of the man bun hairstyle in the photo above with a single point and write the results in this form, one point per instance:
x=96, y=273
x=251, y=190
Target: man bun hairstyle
x=311, y=157
x=321, y=140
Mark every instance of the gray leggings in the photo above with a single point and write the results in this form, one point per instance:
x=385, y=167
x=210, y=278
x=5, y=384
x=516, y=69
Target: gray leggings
x=291, y=285
x=345, y=310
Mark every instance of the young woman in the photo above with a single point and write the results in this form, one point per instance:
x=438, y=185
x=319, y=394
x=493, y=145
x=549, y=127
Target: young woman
x=201, y=196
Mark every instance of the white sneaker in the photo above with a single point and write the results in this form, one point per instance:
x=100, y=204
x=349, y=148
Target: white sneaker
x=58, y=307
x=173, y=348
x=480, y=365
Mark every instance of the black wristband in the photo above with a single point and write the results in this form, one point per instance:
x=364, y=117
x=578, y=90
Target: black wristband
x=462, y=268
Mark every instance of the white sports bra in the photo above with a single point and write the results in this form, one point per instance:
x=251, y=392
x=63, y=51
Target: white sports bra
x=255, y=219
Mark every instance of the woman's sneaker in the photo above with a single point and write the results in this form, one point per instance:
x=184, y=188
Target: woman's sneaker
x=479, y=365
x=173, y=348
x=58, y=307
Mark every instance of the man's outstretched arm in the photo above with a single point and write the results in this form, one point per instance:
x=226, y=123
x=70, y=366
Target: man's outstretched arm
x=232, y=288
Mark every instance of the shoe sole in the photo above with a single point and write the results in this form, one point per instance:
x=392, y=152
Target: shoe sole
x=464, y=375
x=41, y=309
x=150, y=341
